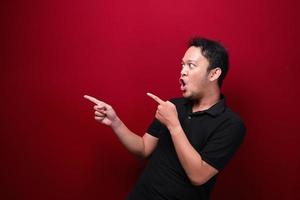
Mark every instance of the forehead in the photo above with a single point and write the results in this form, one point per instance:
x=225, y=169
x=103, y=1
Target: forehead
x=193, y=54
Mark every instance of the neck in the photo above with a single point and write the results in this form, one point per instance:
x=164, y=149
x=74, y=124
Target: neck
x=207, y=100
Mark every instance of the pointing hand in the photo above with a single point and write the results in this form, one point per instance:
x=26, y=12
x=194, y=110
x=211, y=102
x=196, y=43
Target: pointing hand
x=166, y=112
x=104, y=113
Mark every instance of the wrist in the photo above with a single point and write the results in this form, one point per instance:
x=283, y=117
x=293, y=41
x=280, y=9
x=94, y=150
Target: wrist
x=174, y=128
x=116, y=123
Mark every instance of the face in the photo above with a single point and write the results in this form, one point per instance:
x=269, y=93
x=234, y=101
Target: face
x=194, y=79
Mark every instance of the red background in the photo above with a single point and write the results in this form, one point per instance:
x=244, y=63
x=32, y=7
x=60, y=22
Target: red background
x=54, y=52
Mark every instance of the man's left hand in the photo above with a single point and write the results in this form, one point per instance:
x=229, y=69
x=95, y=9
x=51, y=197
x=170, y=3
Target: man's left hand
x=166, y=112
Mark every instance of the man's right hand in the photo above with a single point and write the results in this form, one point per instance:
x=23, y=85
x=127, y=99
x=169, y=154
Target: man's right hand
x=139, y=146
x=104, y=113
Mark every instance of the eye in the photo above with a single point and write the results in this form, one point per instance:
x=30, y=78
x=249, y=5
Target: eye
x=191, y=65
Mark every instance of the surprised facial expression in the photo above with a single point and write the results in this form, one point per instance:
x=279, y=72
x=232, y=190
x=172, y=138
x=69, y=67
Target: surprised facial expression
x=194, y=74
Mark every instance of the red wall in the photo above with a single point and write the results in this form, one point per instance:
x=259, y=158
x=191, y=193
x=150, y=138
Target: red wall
x=54, y=52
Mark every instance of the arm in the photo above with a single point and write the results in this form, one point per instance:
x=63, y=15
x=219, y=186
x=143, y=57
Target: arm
x=198, y=171
x=141, y=147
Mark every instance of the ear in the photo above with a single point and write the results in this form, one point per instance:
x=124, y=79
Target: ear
x=215, y=73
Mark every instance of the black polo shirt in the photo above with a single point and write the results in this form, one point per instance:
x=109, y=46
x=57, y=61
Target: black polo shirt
x=215, y=133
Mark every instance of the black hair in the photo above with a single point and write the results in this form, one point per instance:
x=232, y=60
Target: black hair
x=215, y=53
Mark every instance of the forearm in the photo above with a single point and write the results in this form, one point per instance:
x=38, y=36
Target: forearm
x=189, y=158
x=131, y=141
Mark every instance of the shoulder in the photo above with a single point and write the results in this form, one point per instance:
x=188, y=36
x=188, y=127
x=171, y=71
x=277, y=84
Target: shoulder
x=234, y=122
x=232, y=116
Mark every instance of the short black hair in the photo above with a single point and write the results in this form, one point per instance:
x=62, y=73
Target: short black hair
x=215, y=53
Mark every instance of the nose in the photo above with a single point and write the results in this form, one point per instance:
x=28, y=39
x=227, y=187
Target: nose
x=183, y=72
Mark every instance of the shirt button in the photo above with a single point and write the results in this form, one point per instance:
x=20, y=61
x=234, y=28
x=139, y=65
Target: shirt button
x=189, y=117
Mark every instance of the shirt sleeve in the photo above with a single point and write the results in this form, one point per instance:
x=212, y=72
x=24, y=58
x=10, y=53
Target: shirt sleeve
x=222, y=145
x=155, y=128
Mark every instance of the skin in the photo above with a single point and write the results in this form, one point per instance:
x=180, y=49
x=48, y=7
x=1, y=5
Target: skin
x=201, y=86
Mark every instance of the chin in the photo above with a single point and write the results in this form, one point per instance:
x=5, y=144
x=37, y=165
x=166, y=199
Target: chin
x=190, y=96
x=186, y=95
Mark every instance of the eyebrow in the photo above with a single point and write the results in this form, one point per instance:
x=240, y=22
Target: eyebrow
x=182, y=61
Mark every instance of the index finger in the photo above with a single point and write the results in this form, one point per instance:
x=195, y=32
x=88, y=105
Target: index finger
x=92, y=99
x=155, y=98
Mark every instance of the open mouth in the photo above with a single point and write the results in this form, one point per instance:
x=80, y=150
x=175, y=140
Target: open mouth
x=181, y=81
x=182, y=84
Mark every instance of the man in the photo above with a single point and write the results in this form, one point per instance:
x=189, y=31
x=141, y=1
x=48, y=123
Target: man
x=192, y=138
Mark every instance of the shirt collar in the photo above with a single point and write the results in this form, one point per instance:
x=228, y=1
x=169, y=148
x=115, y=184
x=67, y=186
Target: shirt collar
x=214, y=110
